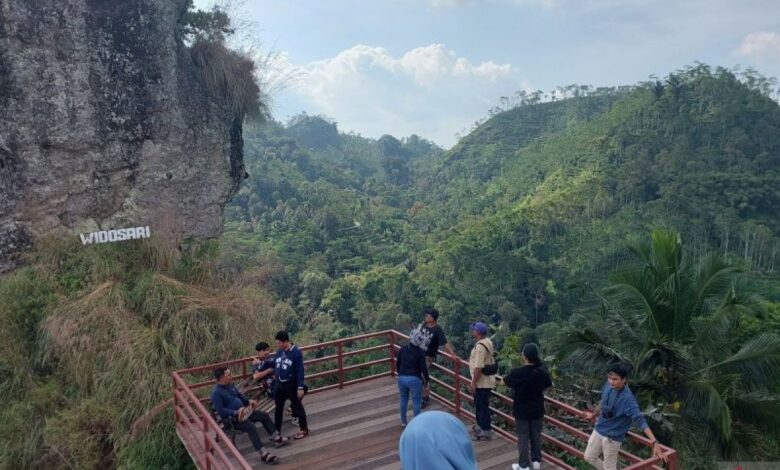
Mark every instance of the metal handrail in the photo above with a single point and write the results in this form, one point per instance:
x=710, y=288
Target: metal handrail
x=637, y=463
x=208, y=445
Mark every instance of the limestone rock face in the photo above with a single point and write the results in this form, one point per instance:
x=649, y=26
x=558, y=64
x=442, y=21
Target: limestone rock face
x=104, y=124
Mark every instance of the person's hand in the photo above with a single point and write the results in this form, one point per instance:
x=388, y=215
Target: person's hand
x=659, y=452
x=472, y=388
x=300, y=393
x=588, y=416
x=255, y=361
x=253, y=403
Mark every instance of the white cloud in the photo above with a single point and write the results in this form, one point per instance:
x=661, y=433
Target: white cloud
x=427, y=90
x=762, y=45
x=586, y=4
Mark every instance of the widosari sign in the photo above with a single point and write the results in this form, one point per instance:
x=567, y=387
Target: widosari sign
x=118, y=235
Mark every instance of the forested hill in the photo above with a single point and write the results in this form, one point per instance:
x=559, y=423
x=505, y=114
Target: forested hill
x=698, y=151
x=537, y=198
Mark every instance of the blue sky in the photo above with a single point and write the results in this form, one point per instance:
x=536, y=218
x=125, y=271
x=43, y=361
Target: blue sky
x=433, y=67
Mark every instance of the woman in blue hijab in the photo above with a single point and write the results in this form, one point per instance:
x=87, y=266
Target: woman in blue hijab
x=436, y=440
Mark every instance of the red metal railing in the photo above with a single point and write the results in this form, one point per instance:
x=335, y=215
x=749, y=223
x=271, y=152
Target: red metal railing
x=211, y=449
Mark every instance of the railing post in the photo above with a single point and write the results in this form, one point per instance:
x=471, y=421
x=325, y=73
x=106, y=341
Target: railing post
x=672, y=465
x=458, y=385
x=391, y=337
x=175, y=402
x=206, y=449
x=340, y=353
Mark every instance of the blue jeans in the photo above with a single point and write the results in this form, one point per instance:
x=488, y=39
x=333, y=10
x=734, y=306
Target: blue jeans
x=406, y=384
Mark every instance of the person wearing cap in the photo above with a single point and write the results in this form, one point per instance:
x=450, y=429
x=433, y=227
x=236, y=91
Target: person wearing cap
x=481, y=385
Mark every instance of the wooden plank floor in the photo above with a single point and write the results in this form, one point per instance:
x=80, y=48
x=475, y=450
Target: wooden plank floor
x=358, y=428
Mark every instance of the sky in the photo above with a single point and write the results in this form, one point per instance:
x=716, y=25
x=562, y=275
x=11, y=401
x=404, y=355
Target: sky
x=434, y=67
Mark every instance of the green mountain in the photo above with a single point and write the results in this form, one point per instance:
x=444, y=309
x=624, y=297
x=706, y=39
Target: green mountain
x=536, y=199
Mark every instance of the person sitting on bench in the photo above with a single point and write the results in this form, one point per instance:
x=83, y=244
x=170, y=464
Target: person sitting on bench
x=233, y=405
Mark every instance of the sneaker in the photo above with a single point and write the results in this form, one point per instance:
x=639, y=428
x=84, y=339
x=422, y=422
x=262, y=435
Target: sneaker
x=537, y=465
x=294, y=421
x=476, y=428
x=516, y=466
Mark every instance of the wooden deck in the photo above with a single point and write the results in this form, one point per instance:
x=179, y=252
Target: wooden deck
x=358, y=428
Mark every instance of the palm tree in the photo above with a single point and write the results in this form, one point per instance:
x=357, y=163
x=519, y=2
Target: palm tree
x=676, y=321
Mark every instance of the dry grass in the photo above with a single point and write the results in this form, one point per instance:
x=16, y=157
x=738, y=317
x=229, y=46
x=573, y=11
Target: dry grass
x=229, y=77
x=112, y=322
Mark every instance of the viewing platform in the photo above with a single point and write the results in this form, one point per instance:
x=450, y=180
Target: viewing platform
x=352, y=409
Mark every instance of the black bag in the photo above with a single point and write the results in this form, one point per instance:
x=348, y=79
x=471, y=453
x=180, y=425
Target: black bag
x=489, y=369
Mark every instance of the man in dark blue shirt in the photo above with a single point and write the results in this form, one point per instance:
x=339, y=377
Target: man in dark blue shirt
x=617, y=410
x=288, y=373
x=233, y=405
x=263, y=367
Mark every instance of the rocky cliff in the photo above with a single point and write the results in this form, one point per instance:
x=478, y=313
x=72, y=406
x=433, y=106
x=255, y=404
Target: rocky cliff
x=105, y=123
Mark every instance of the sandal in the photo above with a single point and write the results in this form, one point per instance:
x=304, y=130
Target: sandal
x=269, y=458
x=301, y=434
x=281, y=441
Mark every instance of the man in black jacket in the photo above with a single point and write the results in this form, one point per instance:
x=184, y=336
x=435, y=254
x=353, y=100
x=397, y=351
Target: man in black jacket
x=528, y=384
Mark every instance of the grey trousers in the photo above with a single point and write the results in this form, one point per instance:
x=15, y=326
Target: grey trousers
x=529, y=434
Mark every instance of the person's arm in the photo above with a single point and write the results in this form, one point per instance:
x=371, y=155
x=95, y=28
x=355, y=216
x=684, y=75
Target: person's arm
x=424, y=368
x=218, y=402
x=261, y=374
x=448, y=348
x=547, y=380
x=592, y=415
x=299, y=372
x=479, y=363
x=512, y=379
x=475, y=379
x=444, y=344
x=241, y=396
x=637, y=416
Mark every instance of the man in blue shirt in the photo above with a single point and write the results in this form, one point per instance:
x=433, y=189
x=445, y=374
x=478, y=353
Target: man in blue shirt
x=289, y=376
x=233, y=405
x=617, y=410
x=263, y=367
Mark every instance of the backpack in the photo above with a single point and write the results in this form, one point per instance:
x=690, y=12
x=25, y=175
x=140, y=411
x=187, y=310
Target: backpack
x=420, y=337
x=492, y=368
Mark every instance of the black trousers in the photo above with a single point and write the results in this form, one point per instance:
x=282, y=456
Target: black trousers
x=305, y=391
x=289, y=391
x=482, y=408
x=248, y=426
x=529, y=432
